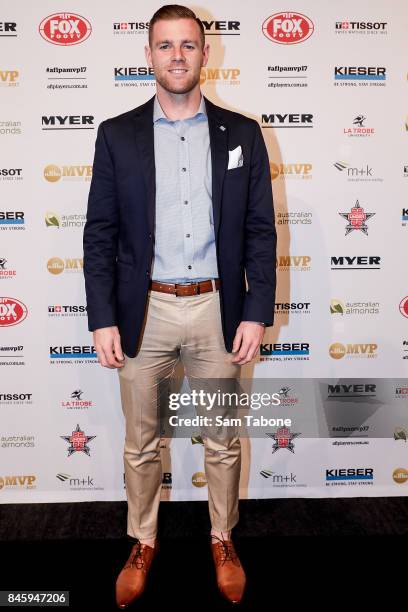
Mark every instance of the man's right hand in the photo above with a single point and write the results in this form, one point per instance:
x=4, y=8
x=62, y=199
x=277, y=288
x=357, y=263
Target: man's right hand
x=108, y=348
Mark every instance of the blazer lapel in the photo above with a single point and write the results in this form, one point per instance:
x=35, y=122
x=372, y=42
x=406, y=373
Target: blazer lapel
x=219, y=157
x=144, y=135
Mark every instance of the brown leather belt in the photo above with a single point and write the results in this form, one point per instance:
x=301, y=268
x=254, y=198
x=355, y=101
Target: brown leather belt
x=184, y=290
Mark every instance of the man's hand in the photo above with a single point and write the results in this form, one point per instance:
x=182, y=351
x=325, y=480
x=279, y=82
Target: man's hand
x=108, y=348
x=247, y=340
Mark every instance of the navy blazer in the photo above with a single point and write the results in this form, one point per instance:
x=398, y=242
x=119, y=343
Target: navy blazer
x=118, y=235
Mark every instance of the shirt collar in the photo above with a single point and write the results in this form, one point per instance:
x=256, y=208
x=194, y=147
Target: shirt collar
x=158, y=112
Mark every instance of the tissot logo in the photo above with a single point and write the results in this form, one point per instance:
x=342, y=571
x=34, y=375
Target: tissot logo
x=68, y=122
x=216, y=28
x=292, y=307
x=134, y=73
x=130, y=27
x=287, y=120
x=11, y=174
x=355, y=262
x=61, y=309
x=8, y=29
x=361, y=27
x=353, y=390
x=16, y=397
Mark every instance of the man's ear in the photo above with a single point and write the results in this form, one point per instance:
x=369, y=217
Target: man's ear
x=148, y=56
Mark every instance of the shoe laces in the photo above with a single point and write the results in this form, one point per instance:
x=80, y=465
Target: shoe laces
x=226, y=551
x=137, y=558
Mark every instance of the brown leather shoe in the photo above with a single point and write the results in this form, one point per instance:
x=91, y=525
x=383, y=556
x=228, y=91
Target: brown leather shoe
x=231, y=577
x=131, y=581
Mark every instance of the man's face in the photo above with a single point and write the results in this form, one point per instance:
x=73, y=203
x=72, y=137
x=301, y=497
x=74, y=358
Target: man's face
x=176, y=54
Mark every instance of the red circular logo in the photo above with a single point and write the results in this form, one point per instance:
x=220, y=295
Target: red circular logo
x=288, y=28
x=65, y=29
x=12, y=311
x=404, y=307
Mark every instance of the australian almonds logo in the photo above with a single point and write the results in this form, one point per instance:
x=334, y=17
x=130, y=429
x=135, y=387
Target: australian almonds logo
x=53, y=173
x=56, y=265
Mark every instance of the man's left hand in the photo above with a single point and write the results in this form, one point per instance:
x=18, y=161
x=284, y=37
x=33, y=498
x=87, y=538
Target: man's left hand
x=247, y=340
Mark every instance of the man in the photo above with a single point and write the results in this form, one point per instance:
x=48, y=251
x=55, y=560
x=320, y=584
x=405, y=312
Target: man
x=180, y=209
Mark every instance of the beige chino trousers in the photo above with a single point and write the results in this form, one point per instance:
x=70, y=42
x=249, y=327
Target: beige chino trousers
x=186, y=329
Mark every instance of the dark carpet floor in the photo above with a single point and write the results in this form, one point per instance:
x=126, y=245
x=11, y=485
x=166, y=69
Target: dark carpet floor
x=291, y=551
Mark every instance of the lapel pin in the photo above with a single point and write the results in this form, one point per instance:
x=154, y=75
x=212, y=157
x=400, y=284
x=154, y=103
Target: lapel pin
x=222, y=127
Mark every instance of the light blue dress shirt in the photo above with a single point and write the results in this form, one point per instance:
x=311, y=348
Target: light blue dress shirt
x=184, y=231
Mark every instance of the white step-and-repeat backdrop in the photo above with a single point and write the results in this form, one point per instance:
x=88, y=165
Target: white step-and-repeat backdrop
x=327, y=82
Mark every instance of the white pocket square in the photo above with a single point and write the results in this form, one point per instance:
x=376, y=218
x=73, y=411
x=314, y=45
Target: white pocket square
x=235, y=158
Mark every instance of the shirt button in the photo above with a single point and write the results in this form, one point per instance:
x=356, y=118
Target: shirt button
x=182, y=138
x=147, y=273
x=189, y=267
x=185, y=201
x=187, y=235
x=184, y=169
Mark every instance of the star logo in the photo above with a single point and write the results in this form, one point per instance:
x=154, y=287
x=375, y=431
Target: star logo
x=283, y=439
x=78, y=442
x=357, y=218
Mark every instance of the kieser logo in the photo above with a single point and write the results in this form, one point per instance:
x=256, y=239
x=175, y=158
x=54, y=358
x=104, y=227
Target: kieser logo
x=403, y=307
x=285, y=348
x=56, y=265
x=220, y=75
x=400, y=475
x=198, y=479
x=12, y=311
x=53, y=173
x=65, y=29
x=134, y=73
x=10, y=217
x=359, y=73
x=350, y=474
x=288, y=28
x=290, y=171
x=337, y=350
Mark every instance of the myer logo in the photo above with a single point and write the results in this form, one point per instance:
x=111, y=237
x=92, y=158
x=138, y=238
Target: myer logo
x=67, y=122
x=8, y=29
x=337, y=350
x=351, y=391
x=290, y=171
x=52, y=173
x=355, y=262
x=226, y=28
x=287, y=120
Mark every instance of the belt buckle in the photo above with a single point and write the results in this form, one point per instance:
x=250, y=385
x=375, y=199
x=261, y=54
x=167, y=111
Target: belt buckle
x=197, y=288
